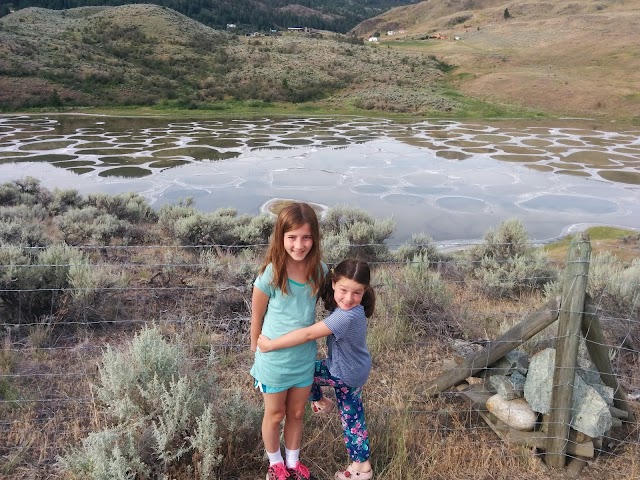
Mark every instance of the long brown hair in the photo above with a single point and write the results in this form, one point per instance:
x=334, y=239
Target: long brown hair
x=354, y=270
x=292, y=217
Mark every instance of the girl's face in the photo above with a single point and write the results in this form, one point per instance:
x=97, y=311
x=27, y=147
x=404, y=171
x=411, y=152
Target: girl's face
x=347, y=293
x=298, y=242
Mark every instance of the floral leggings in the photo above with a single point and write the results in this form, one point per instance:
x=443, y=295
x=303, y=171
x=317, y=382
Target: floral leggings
x=356, y=436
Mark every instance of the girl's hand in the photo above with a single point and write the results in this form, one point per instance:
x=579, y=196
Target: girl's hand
x=264, y=343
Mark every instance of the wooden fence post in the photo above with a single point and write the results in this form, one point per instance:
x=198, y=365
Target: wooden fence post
x=599, y=353
x=570, y=319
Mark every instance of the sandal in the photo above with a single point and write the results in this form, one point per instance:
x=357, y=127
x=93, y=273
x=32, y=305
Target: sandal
x=351, y=474
x=323, y=408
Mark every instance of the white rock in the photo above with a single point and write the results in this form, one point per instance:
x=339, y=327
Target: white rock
x=516, y=413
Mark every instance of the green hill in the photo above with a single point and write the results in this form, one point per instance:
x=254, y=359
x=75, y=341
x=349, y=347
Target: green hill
x=150, y=55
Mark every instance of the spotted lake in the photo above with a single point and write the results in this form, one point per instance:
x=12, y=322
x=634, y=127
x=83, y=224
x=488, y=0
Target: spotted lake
x=450, y=179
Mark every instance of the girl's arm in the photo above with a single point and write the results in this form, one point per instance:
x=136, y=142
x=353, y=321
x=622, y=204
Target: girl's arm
x=297, y=337
x=259, y=302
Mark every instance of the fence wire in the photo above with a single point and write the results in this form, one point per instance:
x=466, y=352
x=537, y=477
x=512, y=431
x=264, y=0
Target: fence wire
x=54, y=337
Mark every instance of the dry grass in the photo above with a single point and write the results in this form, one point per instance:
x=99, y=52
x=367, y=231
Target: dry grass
x=412, y=436
x=561, y=57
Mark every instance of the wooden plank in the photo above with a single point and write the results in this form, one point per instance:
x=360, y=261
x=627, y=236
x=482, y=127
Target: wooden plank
x=617, y=413
x=477, y=397
x=575, y=466
x=495, y=350
x=594, y=339
x=540, y=439
x=574, y=289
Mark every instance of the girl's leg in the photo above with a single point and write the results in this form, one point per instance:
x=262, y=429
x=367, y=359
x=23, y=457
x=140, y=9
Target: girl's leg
x=321, y=378
x=274, y=412
x=354, y=426
x=296, y=400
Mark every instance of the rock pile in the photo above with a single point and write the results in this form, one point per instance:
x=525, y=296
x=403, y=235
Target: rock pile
x=524, y=387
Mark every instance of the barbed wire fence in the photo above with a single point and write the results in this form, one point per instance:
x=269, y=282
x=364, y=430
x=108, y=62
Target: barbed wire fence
x=50, y=361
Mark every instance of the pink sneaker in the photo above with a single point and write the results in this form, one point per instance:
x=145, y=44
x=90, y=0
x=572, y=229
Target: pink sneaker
x=299, y=472
x=277, y=471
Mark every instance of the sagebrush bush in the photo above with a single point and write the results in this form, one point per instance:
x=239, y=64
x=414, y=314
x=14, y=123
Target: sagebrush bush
x=93, y=285
x=352, y=232
x=227, y=269
x=614, y=282
x=89, y=225
x=418, y=294
x=64, y=200
x=125, y=206
x=24, y=191
x=604, y=275
x=169, y=214
x=224, y=228
x=9, y=194
x=630, y=285
x=506, y=264
x=24, y=225
x=162, y=417
x=419, y=244
x=35, y=282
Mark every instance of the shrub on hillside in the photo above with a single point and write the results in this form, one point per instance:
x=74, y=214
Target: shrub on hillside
x=25, y=191
x=506, y=263
x=95, y=290
x=224, y=228
x=352, y=232
x=161, y=411
x=23, y=225
x=419, y=245
x=64, y=200
x=226, y=269
x=418, y=295
x=169, y=214
x=34, y=282
x=615, y=283
x=82, y=225
x=125, y=206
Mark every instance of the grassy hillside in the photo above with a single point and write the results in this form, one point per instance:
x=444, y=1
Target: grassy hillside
x=510, y=59
x=149, y=55
x=562, y=57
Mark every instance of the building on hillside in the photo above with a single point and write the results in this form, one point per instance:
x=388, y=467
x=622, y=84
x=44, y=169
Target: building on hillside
x=373, y=39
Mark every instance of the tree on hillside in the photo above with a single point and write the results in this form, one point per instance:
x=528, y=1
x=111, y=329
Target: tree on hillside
x=506, y=14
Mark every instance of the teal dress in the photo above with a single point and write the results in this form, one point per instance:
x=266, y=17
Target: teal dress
x=291, y=366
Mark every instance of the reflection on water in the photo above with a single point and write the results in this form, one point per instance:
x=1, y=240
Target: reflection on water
x=452, y=180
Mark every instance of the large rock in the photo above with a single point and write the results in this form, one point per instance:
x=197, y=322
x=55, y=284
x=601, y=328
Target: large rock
x=515, y=413
x=514, y=361
x=509, y=387
x=589, y=411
